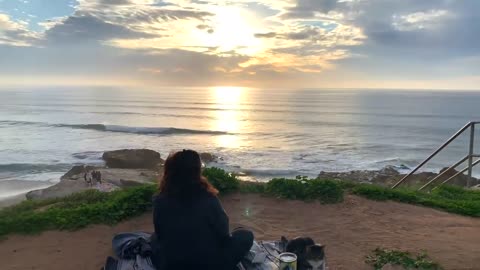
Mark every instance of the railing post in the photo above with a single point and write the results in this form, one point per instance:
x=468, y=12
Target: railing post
x=470, y=154
x=458, y=133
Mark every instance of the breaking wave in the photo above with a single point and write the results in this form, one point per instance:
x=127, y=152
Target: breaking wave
x=121, y=129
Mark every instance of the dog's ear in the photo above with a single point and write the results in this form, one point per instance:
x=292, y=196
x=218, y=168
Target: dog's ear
x=308, y=241
x=283, y=243
x=316, y=249
x=317, y=246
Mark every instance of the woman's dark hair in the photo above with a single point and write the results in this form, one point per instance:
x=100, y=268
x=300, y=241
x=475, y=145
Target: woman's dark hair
x=182, y=176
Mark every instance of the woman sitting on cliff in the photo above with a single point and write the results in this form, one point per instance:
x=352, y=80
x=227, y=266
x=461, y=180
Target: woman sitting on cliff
x=191, y=227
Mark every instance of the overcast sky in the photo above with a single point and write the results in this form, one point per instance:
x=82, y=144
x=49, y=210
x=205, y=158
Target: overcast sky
x=276, y=43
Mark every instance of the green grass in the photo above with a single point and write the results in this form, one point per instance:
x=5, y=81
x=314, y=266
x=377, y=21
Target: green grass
x=381, y=257
x=224, y=181
x=93, y=207
x=325, y=191
x=448, y=198
x=76, y=211
x=252, y=187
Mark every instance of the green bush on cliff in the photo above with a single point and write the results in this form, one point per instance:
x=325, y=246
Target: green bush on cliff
x=252, y=187
x=381, y=257
x=301, y=188
x=456, y=192
x=448, y=198
x=94, y=207
x=224, y=181
x=76, y=211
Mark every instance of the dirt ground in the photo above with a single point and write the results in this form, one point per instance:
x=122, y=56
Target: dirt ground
x=350, y=230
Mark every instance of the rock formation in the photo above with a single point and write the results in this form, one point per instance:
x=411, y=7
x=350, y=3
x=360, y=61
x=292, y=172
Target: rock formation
x=132, y=159
x=125, y=168
x=388, y=176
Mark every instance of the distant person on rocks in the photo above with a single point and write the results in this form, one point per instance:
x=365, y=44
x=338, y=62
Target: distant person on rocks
x=88, y=178
x=191, y=226
x=99, y=177
x=95, y=176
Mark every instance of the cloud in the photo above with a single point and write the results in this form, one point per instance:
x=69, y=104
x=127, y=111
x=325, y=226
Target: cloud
x=241, y=41
x=105, y=20
x=266, y=35
x=308, y=8
x=116, y=2
x=136, y=12
x=305, y=33
x=419, y=20
x=104, y=3
x=168, y=66
x=205, y=27
x=140, y=19
x=166, y=41
x=442, y=28
x=176, y=63
x=15, y=33
x=87, y=28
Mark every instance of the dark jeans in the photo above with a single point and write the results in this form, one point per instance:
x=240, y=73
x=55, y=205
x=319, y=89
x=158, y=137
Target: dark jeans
x=237, y=246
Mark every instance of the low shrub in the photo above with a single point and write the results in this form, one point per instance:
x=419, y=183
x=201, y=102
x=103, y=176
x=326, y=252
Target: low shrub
x=252, y=187
x=456, y=192
x=448, y=198
x=292, y=189
x=326, y=191
x=380, y=193
x=381, y=257
x=301, y=188
x=346, y=185
x=76, y=211
x=94, y=207
x=224, y=181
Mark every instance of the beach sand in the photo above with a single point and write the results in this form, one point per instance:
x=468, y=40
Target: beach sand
x=350, y=230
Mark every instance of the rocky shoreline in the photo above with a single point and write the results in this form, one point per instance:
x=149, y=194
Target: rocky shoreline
x=123, y=168
x=130, y=167
x=389, y=175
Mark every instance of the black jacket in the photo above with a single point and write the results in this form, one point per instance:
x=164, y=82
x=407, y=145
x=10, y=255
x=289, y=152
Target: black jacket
x=190, y=232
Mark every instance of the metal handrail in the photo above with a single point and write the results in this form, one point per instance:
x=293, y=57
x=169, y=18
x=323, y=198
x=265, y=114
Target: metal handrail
x=444, y=172
x=460, y=172
x=470, y=156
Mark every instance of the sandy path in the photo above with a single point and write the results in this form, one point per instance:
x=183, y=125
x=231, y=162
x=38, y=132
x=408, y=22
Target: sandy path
x=350, y=230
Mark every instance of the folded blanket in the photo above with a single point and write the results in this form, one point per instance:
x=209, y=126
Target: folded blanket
x=263, y=256
x=128, y=245
x=139, y=263
x=133, y=250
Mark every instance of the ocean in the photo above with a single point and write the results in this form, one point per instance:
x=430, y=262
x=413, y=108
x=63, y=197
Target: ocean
x=262, y=133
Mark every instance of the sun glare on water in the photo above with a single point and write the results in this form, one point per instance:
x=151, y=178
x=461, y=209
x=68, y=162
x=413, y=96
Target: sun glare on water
x=228, y=95
x=228, y=114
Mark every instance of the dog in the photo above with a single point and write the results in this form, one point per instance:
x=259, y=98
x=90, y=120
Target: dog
x=310, y=256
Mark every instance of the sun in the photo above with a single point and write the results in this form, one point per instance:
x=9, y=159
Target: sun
x=233, y=30
x=228, y=95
